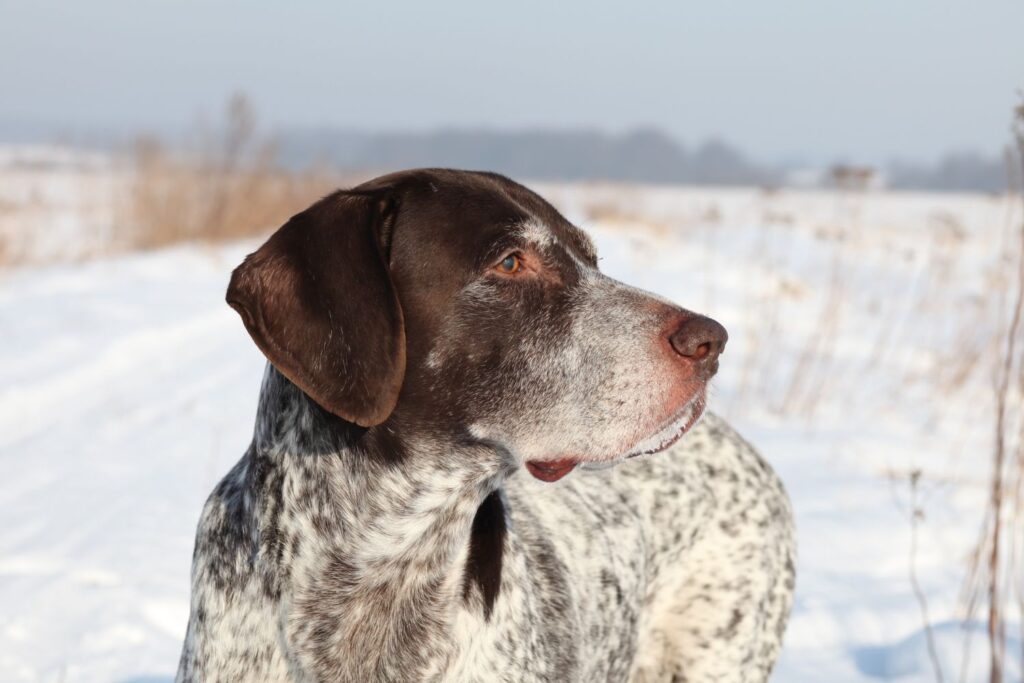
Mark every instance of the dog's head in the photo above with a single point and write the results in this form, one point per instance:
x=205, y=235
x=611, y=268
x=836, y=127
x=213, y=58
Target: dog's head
x=463, y=305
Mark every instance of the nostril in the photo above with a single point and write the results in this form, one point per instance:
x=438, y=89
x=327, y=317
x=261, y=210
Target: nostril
x=699, y=339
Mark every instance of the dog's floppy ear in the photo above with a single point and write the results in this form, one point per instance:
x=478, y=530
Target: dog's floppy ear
x=318, y=300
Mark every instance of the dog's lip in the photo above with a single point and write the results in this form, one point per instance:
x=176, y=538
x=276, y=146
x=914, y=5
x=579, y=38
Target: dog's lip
x=663, y=446
x=551, y=470
x=679, y=425
x=663, y=438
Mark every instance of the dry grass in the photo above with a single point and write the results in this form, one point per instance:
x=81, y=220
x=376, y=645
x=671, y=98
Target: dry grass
x=227, y=189
x=171, y=200
x=12, y=252
x=811, y=375
x=612, y=215
x=7, y=253
x=222, y=183
x=996, y=568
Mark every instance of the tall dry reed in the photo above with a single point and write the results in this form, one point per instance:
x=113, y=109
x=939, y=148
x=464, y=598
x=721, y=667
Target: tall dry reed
x=225, y=185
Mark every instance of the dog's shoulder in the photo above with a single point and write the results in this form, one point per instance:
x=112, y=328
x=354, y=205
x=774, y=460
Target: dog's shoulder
x=712, y=476
x=233, y=609
x=744, y=484
x=225, y=529
x=722, y=453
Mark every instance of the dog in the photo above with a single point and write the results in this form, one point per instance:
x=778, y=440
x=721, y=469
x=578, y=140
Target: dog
x=442, y=350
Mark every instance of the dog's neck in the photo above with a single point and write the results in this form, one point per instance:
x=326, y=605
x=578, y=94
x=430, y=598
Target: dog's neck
x=381, y=472
x=375, y=511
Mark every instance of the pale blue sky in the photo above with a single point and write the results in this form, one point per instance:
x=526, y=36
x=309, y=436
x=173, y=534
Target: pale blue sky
x=782, y=79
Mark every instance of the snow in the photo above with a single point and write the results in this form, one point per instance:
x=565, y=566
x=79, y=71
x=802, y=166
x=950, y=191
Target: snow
x=858, y=323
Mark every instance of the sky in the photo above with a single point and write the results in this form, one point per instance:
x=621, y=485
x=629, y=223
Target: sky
x=784, y=80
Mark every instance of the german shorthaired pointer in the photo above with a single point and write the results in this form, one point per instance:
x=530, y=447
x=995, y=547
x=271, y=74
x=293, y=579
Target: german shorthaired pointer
x=442, y=350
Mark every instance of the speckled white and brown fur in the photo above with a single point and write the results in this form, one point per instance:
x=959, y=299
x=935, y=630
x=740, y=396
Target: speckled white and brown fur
x=419, y=548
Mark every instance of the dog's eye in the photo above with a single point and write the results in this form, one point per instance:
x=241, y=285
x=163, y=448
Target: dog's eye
x=510, y=264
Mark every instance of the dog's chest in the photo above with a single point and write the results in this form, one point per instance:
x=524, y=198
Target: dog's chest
x=572, y=588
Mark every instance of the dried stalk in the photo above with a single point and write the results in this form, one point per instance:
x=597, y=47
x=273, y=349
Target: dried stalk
x=916, y=515
x=995, y=558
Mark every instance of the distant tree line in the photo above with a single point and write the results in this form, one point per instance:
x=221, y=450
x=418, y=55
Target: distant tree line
x=644, y=155
x=966, y=171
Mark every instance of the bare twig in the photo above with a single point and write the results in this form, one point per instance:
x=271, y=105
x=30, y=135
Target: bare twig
x=996, y=555
x=916, y=515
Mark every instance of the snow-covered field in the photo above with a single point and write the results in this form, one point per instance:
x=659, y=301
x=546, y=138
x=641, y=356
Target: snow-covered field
x=860, y=324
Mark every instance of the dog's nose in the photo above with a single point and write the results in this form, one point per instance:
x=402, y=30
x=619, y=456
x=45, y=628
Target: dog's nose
x=700, y=340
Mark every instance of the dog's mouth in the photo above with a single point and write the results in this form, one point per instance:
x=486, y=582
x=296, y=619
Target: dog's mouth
x=551, y=470
x=662, y=439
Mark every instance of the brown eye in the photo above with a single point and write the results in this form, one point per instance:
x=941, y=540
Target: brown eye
x=510, y=264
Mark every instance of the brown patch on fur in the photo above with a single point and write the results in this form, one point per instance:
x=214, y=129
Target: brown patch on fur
x=486, y=550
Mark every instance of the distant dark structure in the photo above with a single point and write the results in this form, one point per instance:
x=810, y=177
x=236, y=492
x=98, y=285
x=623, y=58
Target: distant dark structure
x=854, y=178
